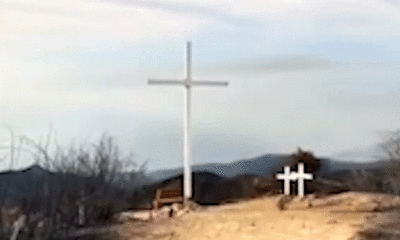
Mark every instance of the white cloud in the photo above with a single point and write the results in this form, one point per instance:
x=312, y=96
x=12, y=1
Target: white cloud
x=329, y=18
x=51, y=25
x=359, y=18
x=51, y=102
x=36, y=28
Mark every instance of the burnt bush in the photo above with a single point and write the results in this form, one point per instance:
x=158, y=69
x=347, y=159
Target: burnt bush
x=78, y=187
x=311, y=163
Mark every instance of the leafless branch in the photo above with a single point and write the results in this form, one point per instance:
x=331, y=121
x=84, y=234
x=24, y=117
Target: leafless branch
x=390, y=148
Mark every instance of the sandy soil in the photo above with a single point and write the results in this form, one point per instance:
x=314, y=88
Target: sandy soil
x=342, y=216
x=261, y=219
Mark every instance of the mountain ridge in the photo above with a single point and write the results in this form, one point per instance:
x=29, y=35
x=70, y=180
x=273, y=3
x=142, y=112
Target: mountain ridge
x=262, y=165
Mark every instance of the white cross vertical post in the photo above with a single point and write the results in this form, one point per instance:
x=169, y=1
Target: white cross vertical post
x=301, y=176
x=286, y=177
x=187, y=173
x=188, y=83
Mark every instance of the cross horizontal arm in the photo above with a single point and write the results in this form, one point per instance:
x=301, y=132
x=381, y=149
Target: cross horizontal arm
x=173, y=82
x=215, y=83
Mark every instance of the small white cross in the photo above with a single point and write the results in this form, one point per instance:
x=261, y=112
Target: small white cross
x=287, y=176
x=300, y=176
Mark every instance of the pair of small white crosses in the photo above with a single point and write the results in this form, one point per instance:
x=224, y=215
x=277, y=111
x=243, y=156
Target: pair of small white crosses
x=287, y=176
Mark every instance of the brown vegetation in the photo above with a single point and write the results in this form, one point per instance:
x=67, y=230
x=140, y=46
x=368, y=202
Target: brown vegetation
x=311, y=163
x=78, y=187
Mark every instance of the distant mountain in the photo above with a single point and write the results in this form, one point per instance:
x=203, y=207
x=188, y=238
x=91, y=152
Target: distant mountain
x=245, y=178
x=134, y=180
x=263, y=166
x=24, y=183
x=27, y=183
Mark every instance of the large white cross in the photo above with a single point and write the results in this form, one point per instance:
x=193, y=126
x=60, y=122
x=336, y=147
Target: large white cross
x=188, y=83
x=300, y=176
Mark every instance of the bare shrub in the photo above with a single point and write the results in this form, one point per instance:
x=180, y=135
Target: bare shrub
x=390, y=153
x=85, y=185
x=311, y=163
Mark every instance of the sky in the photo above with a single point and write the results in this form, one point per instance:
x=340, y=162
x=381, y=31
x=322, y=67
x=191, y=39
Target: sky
x=320, y=75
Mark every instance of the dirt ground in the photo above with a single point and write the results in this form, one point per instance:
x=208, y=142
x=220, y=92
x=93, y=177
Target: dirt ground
x=261, y=219
x=348, y=217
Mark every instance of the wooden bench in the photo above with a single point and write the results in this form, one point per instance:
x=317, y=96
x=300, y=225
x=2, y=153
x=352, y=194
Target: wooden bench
x=164, y=196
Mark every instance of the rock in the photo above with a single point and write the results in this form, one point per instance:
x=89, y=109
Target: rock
x=299, y=203
x=165, y=209
x=134, y=215
x=193, y=206
x=332, y=221
x=365, y=206
x=310, y=197
x=308, y=203
x=163, y=213
x=283, y=201
x=174, y=210
x=181, y=212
